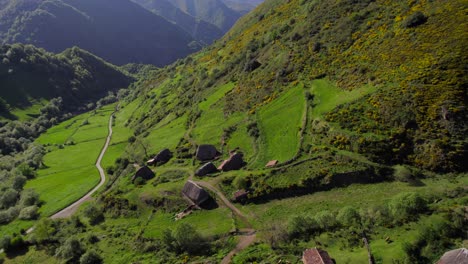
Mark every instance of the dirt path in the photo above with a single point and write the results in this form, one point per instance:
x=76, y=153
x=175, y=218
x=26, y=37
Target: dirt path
x=71, y=209
x=246, y=236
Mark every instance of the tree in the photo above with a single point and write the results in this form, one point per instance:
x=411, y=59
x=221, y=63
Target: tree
x=18, y=182
x=44, y=230
x=406, y=206
x=29, y=213
x=70, y=250
x=303, y=227
x=94, y=214
x=8, y=199
x=348, y=217
x=183, y=238
x=91, y=257
x=29, y=197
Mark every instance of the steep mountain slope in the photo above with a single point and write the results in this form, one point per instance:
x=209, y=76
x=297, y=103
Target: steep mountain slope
x=200, y=30
x=28, y=73
x=118, y=31
x=416, y=112
x=212, y=11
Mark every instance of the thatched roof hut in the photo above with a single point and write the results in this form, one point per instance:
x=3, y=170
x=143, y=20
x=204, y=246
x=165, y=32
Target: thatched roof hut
x=316, y=256
x=162, y=157
x=457, y=256
x=206, y=169
x=206, y=152
x=271, y=163
x=144, y=173
x=195, y=193
x=235, y=162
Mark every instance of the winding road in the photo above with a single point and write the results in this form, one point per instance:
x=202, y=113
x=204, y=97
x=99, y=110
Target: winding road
x=71, y=209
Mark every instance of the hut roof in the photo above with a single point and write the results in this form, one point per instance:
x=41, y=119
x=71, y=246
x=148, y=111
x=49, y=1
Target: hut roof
x=234, y=162
x=144, y=172
x=206, y=169
x=195, y=193
x=271, y=163
x=316, y=256
x=457, y=256
x=206, y=152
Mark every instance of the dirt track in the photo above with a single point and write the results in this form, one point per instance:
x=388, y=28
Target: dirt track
x=246, y=236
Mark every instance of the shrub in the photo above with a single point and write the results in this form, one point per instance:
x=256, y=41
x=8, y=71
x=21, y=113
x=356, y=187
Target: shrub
x=29, y=197
x=240, y=182
x=29, y=213
x=94, y=214
x=414, y=20
x=302, y=227
x=91, y=257
x=406, y=206
x=348, y=217
x=70, y=250
x=183, y=238
x=8, y=199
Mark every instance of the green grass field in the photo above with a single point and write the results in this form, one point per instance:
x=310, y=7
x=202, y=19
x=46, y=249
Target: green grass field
x=327, y=96
x=70, y=170
x=279, y=123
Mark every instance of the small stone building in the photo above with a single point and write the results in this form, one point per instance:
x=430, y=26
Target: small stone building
x=206, y=169
x=235, y=162
x=144, y=173
x=271, y=164
x=206, y=152
x=316, y=256
x=196, y=194
x=162, y=157
x=457, y=256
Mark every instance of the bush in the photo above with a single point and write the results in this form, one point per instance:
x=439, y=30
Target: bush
x=29, y=197
x=348, y=217
x=29, y=213
x=402, y=173
x=406, y=206
x=414, y=20
x=183, y=238
x=8, y=199
x=91, y=257
x=240, y=182
x=302, y=227
x=5, y=242
x=94, y=214
x=70, y=250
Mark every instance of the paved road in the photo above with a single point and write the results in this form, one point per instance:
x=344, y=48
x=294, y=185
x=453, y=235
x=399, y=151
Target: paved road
x=247, y=236
x=71, y=209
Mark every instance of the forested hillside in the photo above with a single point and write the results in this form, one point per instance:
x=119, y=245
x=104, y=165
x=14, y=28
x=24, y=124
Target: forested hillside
x=30, y=74
x=199, y=29
x=118, y=31
x=212, y=11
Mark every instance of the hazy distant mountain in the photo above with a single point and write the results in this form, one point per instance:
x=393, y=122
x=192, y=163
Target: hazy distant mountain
x=212, y=11
x=199, y=29
x=119, y=31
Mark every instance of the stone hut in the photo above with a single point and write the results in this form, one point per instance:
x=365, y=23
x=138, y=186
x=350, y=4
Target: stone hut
x=206, y=152
x=316, y=256
x=206, y=169
x=271, y=164
x=162, y=157
x=144, y=173
x=240, y=196
x=457, y=256
x=196, y=194
x=235, y=162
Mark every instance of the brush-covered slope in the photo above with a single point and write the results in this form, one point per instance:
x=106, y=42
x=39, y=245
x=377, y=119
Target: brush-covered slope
x=393, y=86
x=212, y=11
x=200, y=30
x=30, y=74
x=118, y=31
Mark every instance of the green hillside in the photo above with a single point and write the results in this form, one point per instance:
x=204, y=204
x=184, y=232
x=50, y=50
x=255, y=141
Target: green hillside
x=30, y=76
x=361, y=103
x=118, y=31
